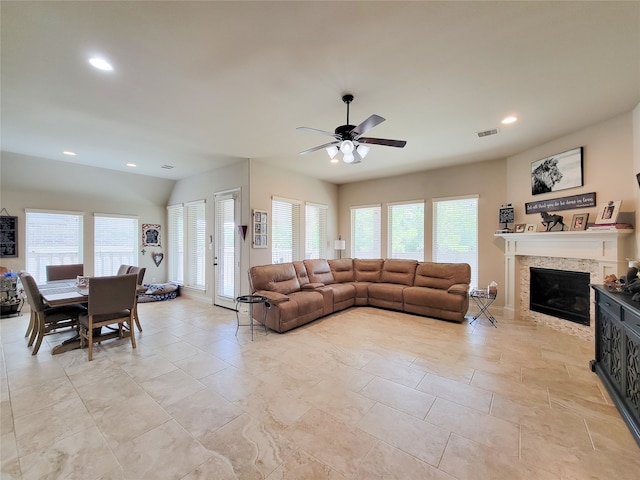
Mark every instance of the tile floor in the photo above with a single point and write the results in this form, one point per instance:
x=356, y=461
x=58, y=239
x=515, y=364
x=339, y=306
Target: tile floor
x=363, y=394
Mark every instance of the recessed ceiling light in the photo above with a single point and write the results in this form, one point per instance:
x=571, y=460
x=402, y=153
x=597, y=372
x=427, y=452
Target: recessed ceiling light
x=70, y=153
x=509, y=119
x=100, y=64
x=131, y=165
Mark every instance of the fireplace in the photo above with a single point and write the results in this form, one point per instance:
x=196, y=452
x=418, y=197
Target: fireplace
x=560, y=293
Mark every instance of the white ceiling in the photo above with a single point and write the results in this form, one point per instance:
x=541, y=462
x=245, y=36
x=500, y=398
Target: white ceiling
x=198, y=85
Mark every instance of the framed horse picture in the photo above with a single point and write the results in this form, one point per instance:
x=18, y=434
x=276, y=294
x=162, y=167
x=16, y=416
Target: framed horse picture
x=557, y=172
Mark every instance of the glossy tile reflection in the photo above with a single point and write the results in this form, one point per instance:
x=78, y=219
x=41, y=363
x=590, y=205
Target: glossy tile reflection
x=364, y=394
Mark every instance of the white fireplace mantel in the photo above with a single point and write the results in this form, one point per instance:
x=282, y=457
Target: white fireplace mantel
x=609, y=248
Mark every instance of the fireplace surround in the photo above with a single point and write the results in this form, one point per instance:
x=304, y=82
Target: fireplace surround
x=599, y=253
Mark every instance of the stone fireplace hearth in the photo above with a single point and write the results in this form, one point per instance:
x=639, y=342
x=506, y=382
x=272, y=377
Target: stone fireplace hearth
x=598, y=253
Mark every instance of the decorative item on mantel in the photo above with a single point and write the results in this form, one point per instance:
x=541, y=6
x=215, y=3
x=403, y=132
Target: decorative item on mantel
x=608, y=218
x=551, y=220
x=507, y=216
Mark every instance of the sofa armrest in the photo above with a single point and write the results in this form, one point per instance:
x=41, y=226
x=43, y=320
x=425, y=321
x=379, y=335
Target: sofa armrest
x=273, y=297
x=459, y=289
x=312, y=286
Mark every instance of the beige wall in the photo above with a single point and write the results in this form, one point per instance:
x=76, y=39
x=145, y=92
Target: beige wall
x=267, y=181
x=486, y=179
x=28, y=182
x=204, y=186
x=607, y=167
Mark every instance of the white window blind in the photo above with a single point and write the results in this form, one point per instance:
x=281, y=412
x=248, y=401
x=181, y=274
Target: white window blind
x=225, y=246
x=175, y=243
x=285, y=230
x=52, y=238
x=196, y=245
x=115, y=241
x=315, y=237
x=406, y=230
x=455, y=232
x=365, y=232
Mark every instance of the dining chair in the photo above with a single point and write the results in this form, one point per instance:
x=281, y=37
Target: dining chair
x=47, y=320
x=112, y=300
x=64, y=272
x=123, y=270
x=140, y=271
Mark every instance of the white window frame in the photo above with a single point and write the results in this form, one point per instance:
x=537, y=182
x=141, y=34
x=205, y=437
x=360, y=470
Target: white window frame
x=376, y=250
x=195, y=235
x=455, y=231
x=315, y=227
x=106, y=260
x=175, y=243
x=37, y=257
x=285, y=243
x=419, y=223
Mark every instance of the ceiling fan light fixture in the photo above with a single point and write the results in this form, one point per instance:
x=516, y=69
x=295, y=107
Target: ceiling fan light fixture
x=332, y=151
x=347, y=147
x=348, y=158
x=363, y=150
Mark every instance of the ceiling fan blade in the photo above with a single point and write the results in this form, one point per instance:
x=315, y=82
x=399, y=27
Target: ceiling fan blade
x=319, y=147
x=383, y=141
x=367, y=125
x=321, y=132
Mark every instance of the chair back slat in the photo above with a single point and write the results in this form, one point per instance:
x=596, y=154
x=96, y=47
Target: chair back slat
x=64, y=272
x=140, y=271
x=111, y=294
x=123, y=270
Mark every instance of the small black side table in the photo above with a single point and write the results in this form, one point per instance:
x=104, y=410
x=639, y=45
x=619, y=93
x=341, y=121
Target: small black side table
x=483, y=300
x=251, y=300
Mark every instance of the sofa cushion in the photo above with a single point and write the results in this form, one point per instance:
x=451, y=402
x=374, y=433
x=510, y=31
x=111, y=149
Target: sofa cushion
x=442, y=275
x=279, y=278
x=342, y=270
x=319, y=271
x=386, y=295
x=401, y=272
x=367, y=270
x=301, y=271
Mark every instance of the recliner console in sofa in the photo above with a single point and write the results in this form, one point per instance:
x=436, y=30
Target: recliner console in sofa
x=303, y=291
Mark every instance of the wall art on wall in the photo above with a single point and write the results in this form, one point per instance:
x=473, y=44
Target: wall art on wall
x=557, y=172
x=8, y=236
x=584, y=200
x=151, y=235
x=260, y=229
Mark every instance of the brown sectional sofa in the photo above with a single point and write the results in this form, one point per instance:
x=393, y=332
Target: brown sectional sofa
x=303, y=291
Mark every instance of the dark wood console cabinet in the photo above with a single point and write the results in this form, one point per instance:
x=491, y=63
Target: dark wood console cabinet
x=617, y=361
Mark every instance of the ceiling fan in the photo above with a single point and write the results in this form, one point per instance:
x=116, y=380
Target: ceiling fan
x=349, y=139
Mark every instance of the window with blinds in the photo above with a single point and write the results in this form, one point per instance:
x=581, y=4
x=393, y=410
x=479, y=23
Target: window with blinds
x=455, y=232
x=225, y=245
x=52, y=238
x=175, y=243
x=315, y=236
x=115, y=241
x=285, y=230
x=406, y=230
x=365, y=232
x=195, y=245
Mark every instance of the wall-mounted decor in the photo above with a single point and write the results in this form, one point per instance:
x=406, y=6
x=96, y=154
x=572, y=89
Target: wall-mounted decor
x=151, y=235
x=564, y=203
x=579, y=221
x=242, y=231
x=157, y=258
x=557, y=172
x=8, y=235
x=609, y=212
x=260, y=229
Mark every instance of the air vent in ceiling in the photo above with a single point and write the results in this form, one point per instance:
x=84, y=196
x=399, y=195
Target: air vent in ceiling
x=167, y=167
x=486, y=133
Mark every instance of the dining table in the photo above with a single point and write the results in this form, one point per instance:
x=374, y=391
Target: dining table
x=61, y=293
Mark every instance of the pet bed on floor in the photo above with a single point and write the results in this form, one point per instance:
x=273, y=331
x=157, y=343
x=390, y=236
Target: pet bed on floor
x=158, y=292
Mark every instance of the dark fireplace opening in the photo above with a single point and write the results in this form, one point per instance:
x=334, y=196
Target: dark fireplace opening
x=560, y=293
